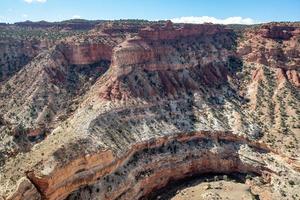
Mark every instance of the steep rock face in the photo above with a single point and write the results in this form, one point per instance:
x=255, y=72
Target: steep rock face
x=271, y=50
x=83, y=54
x=169, y=64
x=21, y=42
x=278, y=32
x=136, y=174
x=170, y=33
x=173, y=105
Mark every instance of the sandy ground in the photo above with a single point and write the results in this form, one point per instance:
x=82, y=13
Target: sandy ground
x=215, y=191
x=212, y=190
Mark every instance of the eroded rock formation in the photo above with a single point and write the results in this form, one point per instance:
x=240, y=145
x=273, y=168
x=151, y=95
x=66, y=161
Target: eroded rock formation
x=172, y=102
x=168, y=32
x=151, y=165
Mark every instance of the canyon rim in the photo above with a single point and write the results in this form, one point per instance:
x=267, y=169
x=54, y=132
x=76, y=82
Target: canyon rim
x=120, y=109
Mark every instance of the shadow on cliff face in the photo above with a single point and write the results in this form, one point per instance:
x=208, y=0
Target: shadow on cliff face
x=78, y=75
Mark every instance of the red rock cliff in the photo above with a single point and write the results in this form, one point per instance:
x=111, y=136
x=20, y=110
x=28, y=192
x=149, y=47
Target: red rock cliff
x=169, y=32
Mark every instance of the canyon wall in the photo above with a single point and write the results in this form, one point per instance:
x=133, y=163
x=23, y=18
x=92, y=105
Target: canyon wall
x=279, y=32
x=176, y=101
x=136, y=173
x=276, y=46
x=89, y=53
x=168, y=32
x=199, y=57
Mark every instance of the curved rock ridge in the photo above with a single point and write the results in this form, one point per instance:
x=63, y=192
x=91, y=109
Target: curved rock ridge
x=135, y=174
x=180, y=103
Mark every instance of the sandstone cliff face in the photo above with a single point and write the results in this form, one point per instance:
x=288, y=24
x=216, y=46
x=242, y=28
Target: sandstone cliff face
x=279, y=32
x=84, y=54
x=21, y=42
x=170, y=33
x=151, y=165
x=174, y=102
x=167, y=66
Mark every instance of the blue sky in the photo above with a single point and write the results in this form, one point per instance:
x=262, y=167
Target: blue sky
x=179, y=10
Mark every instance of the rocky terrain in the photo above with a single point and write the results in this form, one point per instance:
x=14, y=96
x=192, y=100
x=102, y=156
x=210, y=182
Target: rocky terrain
x=120, y=110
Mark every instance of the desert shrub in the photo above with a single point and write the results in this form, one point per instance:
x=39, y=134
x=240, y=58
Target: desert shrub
x=234, y=64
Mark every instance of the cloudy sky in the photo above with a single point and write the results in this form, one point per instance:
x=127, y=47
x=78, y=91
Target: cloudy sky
x=191, y=11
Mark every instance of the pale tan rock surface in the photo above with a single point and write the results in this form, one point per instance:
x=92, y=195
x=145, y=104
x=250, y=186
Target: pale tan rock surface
x=128, y=112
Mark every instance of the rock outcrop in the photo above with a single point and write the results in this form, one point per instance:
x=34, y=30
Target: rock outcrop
x=84, y=54
x=168, y=32
x=274, y=45
x=157, y=63
x=279, y=32
x=133, y=110
x=151, y=165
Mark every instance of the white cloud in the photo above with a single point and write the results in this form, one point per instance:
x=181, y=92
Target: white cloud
x=76, y=17
x=25, y=16
x=37, y=1
x=207, y=19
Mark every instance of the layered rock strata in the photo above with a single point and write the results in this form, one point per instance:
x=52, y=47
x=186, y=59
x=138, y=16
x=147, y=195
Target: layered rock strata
x=151, y=165
x=173, y=103
x=168, y=32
